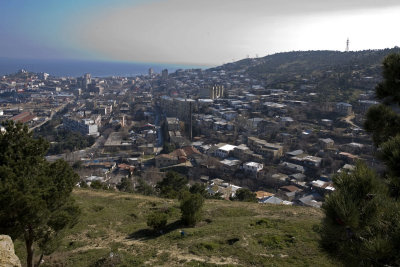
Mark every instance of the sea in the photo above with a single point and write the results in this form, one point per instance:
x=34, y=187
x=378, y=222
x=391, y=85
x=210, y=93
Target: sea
x=75, y=68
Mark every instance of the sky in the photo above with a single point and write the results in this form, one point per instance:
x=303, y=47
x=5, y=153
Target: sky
x=194, y=32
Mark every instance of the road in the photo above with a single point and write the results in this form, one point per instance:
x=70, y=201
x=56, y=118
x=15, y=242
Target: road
x=348, y=120
x=52, y=113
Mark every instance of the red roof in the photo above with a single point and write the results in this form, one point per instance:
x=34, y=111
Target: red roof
x=23, y=117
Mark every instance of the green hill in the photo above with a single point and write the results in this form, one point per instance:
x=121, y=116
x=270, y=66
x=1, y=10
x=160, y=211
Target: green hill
x=112, y=231
x=336, y=76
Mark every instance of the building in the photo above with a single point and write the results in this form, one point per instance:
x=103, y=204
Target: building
x=24, y=117
x=344, y=108
x=252, y=167
x=83, y=126
x=164, y=75
x=223, y=151
x=212, y=92
x=86, y=80
x=173, y=124
x=264, y=148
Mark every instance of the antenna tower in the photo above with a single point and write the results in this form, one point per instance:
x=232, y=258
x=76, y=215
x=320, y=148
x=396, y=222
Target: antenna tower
x=347, y=45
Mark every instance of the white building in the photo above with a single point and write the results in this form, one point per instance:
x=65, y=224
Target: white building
x=253, y=167
x=224, y=151
x=84, y=126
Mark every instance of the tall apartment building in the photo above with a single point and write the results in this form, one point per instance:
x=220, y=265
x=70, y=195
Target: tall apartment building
x=164, y=74
x=177, y=107
x=87, y=79
x=212, y=92
x=83, y=126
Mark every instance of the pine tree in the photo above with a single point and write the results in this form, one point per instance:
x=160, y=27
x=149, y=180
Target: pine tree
x=34, y=194
x=362, y=216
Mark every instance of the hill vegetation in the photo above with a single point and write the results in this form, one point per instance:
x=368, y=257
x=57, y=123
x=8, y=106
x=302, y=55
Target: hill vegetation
x=324, y=72
x=113, y=231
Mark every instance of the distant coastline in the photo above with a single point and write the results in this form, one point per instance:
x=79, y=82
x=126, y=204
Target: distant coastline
x=75, y=68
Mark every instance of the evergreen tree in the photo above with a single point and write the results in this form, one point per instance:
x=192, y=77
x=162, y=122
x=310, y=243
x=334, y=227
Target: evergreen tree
x=191, y=206
x=34, y=194
x=358, y=221
x=172, y=184
x=362, y=216
x=383, y=121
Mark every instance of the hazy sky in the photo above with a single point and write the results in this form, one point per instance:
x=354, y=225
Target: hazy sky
x=203, y=32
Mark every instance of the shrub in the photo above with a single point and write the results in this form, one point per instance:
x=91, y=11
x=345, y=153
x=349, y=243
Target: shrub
x=191, y=205
x=157, y=220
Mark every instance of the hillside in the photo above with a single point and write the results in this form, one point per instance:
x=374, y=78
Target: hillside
x=230, y=234
x=323, y=72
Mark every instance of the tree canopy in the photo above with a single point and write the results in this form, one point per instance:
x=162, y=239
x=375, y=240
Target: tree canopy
x=172, y=184
x=34, y=194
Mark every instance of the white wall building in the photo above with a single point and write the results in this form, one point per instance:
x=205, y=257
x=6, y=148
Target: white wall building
x=224, y=151
x=253, y=167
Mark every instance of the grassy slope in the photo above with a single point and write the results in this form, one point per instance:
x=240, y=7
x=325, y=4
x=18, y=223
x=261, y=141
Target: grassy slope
x=231, y=234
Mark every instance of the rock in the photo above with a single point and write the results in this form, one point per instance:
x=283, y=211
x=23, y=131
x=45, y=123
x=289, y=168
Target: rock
x=7, y=254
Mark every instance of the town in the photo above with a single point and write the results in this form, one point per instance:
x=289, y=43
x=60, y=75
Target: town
x=220, y=127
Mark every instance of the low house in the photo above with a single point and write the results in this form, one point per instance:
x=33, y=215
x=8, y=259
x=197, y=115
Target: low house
x=226, y=190
x=326, y=143
x=288, y=192
x=165, y=160
x=224, y=151
x=322, y=187
x=230, y=164
x=252, y=167
x=344, y=108
x=263, y=194
x=177, y=156
x=271, y=200
x=291, y=168
x=310, y=200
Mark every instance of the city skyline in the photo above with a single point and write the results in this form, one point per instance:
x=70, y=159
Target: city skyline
x=189, y=31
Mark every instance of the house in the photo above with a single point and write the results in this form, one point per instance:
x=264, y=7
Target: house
x=180, y=155
x=264, y=148
x=307, y=160
x=275, y=180
x=326, y=143
x=310, y=200
x=165, y=160
x=271, y=200
x=230, y=164
x=252, y=167
x=292, y=168
x=343, y=108
x=288, y=192
x=224, y=151
x=263, y=194
x=322, y=187
x=226, y=190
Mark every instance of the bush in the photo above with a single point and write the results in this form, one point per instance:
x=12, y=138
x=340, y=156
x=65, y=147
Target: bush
x=191, y=205
x=96, y=185
x=244, y=194
x=157, y=220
